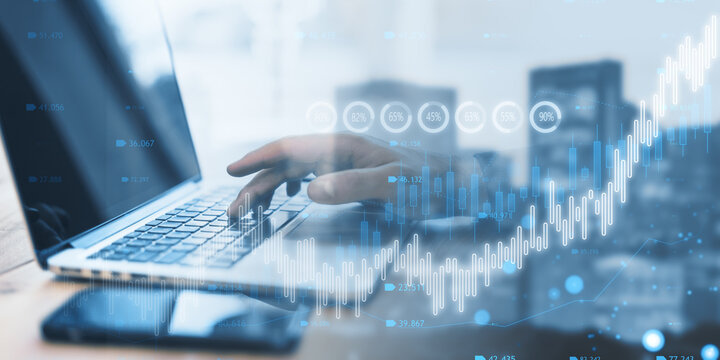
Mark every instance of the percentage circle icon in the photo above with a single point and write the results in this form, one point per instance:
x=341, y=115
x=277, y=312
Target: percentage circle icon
x=433, y=117
x=321, y=116
x=395, y=117
x=545, y=117
x=470, y=117
x=507, y=116
x=358, y=116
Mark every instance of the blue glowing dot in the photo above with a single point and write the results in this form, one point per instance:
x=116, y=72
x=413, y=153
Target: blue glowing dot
x=554, y=294
x=709, y=352
x=482, y=317
x=526, y=222
x=680, y=235
x=574, y=284
x=689, y=292
x=699, y=241
x=509, y=267
x=653, y=340
x=617, y=336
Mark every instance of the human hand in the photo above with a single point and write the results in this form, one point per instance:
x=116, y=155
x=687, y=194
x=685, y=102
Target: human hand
x=349, y=168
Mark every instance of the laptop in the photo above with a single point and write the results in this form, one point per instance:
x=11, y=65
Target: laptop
x=108, y=178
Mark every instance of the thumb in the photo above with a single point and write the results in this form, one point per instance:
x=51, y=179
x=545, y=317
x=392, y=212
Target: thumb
x=353, y=185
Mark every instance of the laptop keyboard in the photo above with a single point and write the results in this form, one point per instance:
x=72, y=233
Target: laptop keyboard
x=198, y=232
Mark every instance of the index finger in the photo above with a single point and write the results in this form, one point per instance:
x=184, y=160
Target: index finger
x=305, y=149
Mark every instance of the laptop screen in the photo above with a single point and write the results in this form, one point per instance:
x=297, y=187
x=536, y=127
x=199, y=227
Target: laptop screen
x=91, y=114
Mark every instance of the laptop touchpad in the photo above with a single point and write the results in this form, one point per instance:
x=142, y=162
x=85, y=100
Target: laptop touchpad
x=346, y=225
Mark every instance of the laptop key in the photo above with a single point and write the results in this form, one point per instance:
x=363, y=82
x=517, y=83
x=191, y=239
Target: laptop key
x=159, y=230
x=168, y=241
x=205, y=217
x=189, y=213
x=179, y=219
x=143, y=228
x=133, y=234
x=163, y=217
x=214, y=213
x=115, y=257
x=121, y=241
x=196, y=223
x=142, y=256
x=177, y=235
x=221, y=223
x=127, y=250
x=170, y=224
x=189, y=229
x=149, y=236
x=223, y=240
x=140, y=243
x=214, y=229
x=172, y=212
x=153, y=223
x=156, y=248
x=170, y=257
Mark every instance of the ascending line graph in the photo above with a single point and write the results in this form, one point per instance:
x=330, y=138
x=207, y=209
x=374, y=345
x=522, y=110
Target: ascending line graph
x=594, y=299
x=690, y=65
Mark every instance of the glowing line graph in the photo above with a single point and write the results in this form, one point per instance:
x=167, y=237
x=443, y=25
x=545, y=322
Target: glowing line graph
x=690, y=64
x=575, y=301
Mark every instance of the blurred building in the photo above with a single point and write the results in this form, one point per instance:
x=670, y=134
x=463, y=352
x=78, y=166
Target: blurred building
x=672, y=197
x=595, y=115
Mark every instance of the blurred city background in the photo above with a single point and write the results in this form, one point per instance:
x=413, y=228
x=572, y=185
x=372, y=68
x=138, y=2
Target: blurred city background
x=249, y=68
